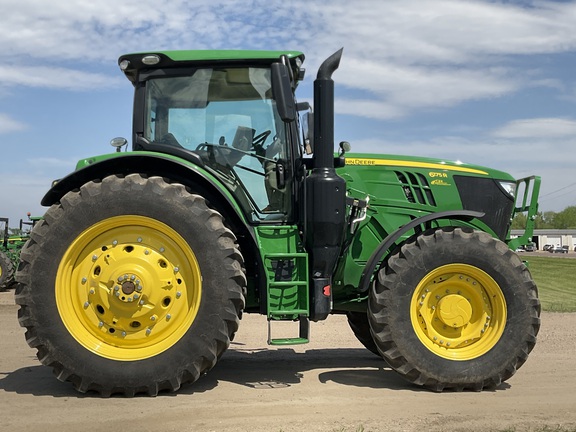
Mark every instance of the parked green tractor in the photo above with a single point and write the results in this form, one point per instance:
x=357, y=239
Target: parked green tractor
x=232, y=200
x=10, y=246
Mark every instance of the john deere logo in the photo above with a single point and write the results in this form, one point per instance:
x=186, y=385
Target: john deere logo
x=440, y=182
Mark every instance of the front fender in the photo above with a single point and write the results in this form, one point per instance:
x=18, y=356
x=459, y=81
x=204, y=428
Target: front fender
x=387, y=243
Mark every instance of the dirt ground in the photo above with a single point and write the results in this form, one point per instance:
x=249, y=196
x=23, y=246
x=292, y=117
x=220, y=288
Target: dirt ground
x=331, y=384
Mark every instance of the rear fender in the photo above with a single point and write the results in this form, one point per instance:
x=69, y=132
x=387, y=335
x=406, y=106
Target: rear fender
x=174, y=169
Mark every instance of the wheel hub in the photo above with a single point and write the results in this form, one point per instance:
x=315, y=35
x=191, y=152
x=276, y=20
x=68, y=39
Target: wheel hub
x=138, y=288
x=453, y=310
x=128, y=288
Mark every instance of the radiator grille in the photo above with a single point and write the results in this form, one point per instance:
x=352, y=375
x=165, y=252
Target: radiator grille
x=416, y=188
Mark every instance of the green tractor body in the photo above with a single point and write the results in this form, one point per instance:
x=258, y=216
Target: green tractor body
x=232, y=200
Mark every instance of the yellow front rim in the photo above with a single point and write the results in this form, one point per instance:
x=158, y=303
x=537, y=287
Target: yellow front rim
x=458, y=312
x=128, y=288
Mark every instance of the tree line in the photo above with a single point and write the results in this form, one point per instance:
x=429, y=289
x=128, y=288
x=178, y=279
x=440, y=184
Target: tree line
x=565, y=219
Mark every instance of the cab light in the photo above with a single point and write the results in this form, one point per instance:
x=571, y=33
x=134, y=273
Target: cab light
x=151, y=60
x=124, y=64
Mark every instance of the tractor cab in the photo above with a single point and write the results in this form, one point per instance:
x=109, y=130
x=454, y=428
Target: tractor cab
x=223, y=117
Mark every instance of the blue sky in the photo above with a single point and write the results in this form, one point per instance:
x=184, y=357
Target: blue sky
x=485, y=82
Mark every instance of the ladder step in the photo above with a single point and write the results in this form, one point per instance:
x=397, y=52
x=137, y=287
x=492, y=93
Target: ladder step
x=288, y=284
x=283, y=312
x=303, y=336
x=288, y=341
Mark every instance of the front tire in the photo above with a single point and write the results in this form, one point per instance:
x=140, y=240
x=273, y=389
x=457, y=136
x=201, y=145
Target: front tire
x=454, y=309
x=130, y=285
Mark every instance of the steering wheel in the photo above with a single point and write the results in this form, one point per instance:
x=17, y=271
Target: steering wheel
x=260, y=139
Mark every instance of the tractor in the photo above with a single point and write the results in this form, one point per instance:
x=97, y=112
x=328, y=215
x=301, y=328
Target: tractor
x=234, y=199
x=10, y=246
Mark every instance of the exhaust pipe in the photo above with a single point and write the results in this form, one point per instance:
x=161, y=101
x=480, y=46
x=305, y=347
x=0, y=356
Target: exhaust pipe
x=324, y=112
x=325, y=195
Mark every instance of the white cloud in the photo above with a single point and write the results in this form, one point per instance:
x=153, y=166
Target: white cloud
x=8, y=124
x=55, y=77
x=410, y=53
x=419, y=87
x=538, y=128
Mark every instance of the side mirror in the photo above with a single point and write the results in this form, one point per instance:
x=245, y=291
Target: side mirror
x=282, y=92
x=308, y=129
x=281, y=174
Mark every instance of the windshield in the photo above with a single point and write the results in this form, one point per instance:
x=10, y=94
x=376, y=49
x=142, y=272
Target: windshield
x=228, y=117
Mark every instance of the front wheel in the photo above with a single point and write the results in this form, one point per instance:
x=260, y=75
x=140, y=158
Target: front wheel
x=454, y=309
x=130, y=285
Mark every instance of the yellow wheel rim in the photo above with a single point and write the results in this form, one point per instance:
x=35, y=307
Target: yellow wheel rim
x=458, y=312
x=128, y=288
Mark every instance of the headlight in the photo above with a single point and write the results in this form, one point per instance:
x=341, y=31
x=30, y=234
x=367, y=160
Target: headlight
x=509, y=188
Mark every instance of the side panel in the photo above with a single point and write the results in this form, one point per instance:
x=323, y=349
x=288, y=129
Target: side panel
x=400, y=190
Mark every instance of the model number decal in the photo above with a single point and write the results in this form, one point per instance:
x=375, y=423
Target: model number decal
x=437, y=174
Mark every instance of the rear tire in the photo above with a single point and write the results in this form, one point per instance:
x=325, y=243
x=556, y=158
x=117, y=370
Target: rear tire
x=6, y=271
x=130, y=285
x=454, y=309
x=358, y=322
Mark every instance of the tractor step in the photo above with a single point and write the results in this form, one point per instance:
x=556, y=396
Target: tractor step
x=287, y=295
x=303, y=333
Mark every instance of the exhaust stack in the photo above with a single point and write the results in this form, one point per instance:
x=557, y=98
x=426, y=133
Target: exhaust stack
x=325, y=195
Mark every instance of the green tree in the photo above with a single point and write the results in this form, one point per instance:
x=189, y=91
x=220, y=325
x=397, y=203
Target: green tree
x=566, y=219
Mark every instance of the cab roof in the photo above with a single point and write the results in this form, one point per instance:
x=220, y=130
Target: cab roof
x=131, y=64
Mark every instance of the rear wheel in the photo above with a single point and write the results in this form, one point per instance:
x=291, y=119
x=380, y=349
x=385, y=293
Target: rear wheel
x=130, y=285
x=6, y=271
x=358, y=322
x=454, y=309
